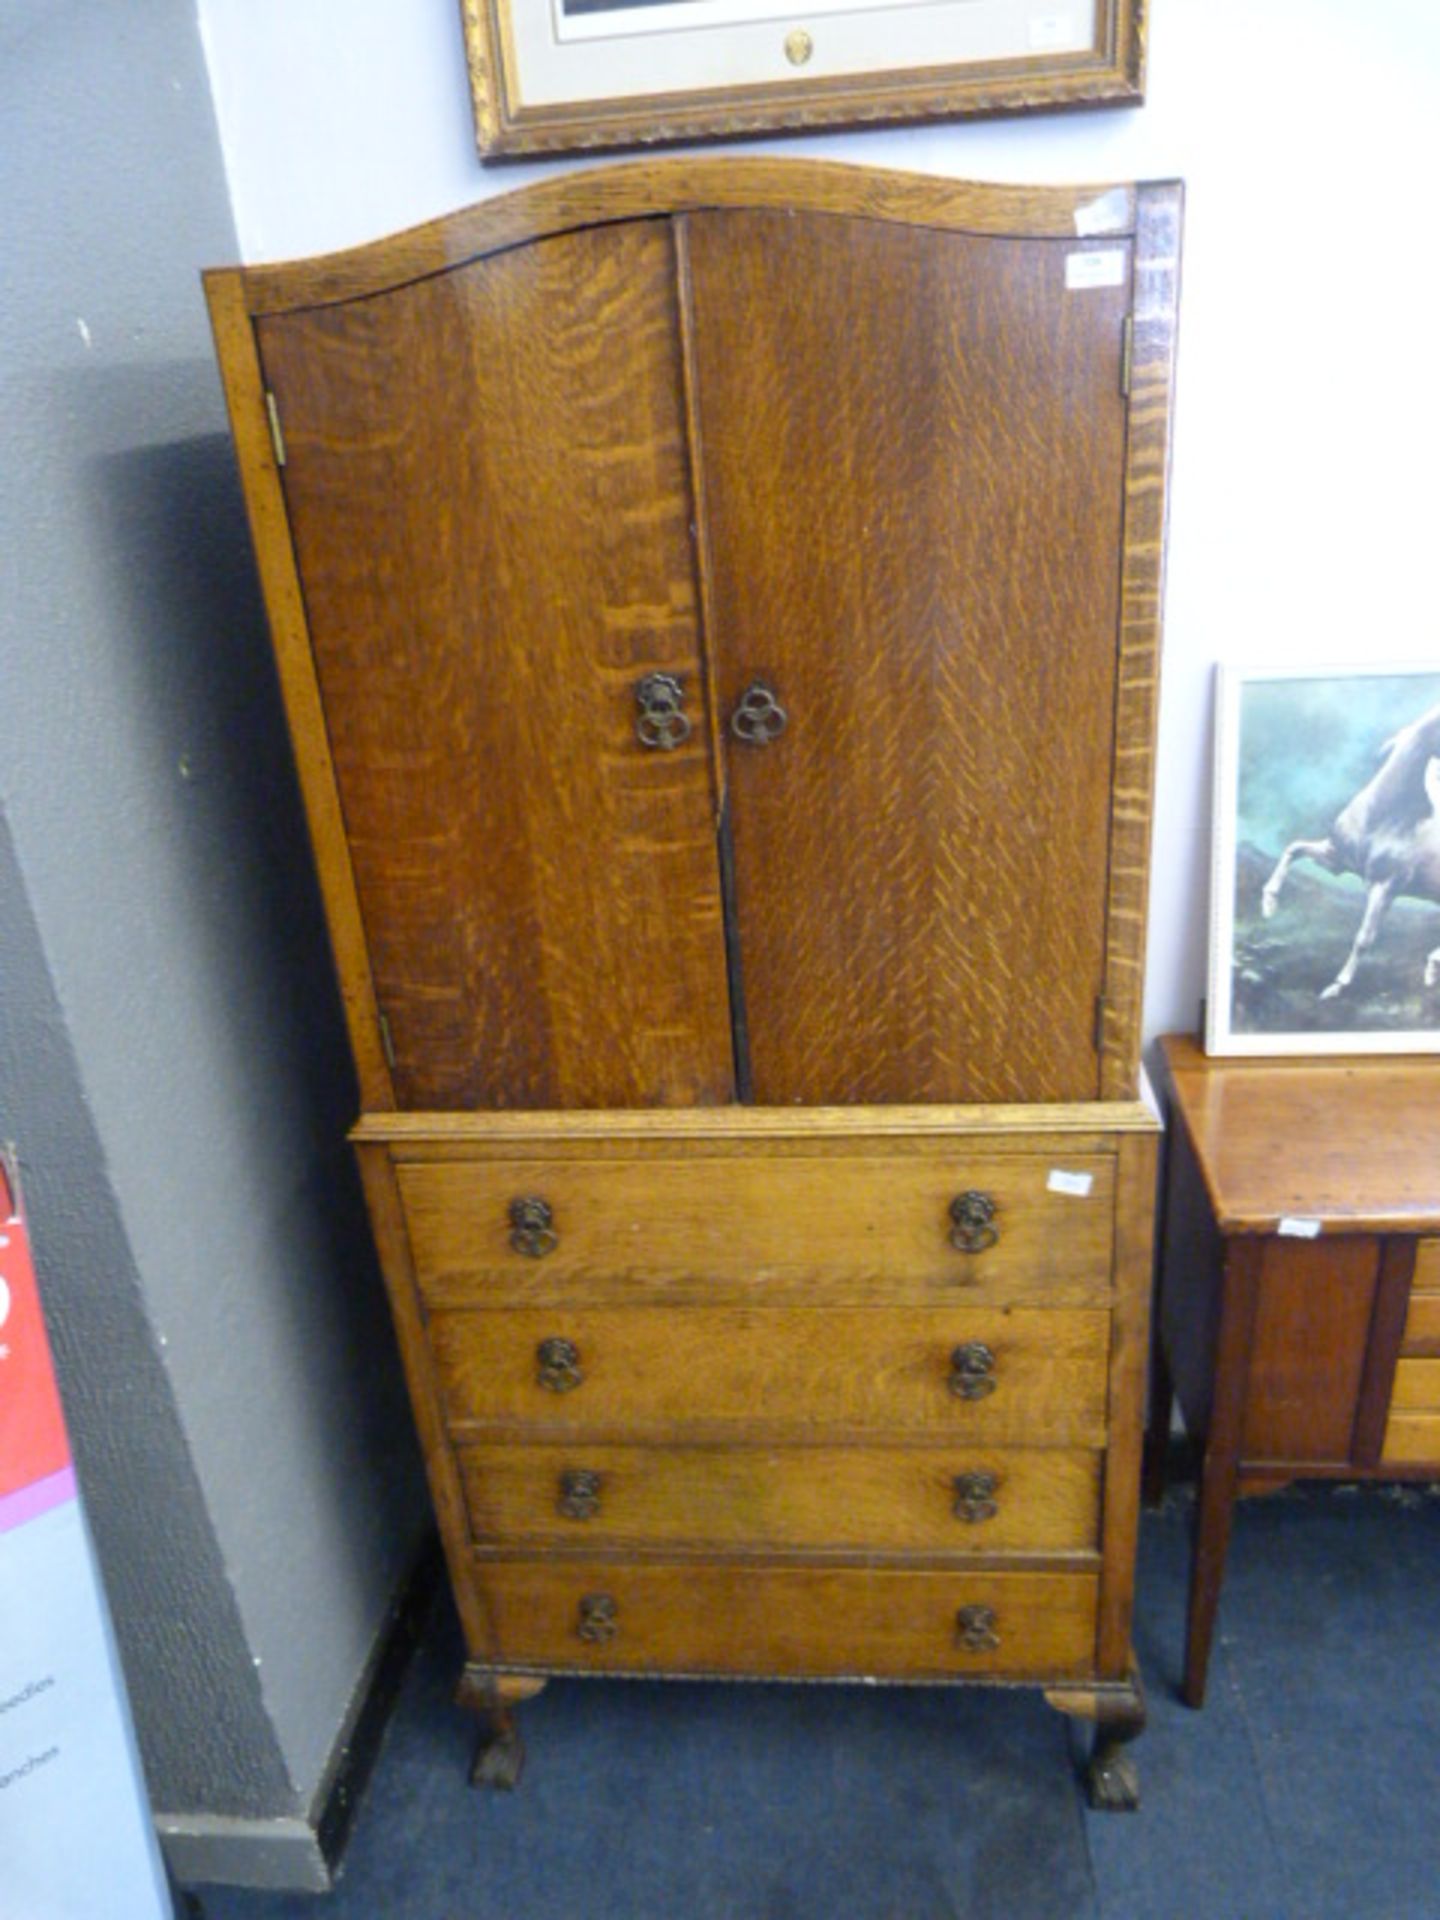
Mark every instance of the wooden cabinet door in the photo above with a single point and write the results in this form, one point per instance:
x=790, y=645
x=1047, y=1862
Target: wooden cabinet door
x=912, y=448
x=488, y=494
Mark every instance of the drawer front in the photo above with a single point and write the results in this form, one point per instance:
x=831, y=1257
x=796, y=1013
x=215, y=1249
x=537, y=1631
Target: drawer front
x=1427, y=1266
x=1412, y=1433
x=881, y=1500
x=1417, y=1387
x=1422, y=1325
x=857, y=1227
x=1027, y=1375
x=608, y=1617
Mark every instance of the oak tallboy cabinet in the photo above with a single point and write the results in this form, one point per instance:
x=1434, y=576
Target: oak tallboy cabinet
x=717, y=606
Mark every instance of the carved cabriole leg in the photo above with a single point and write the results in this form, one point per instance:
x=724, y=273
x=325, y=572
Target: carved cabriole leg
x=1112, y=1783
x=493, y=1697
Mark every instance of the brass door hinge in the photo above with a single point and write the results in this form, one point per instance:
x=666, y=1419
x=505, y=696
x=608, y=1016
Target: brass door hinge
x=387, y=1044
x=1127, y=352
x=277, y=438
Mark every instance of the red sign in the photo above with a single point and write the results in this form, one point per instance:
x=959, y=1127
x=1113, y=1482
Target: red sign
x=33, y=1444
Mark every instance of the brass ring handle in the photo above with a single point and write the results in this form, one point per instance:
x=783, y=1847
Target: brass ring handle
x=973, y=1226
x=557, y=1366
x=579, y=1497
x=975, y=1629
x=532, y=1227
x=759, y=717
x=975, y=1497
x=661, y=724
x=599, y=1619
x=972, y=1371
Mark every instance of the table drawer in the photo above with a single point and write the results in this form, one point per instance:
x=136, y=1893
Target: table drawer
x=1025, y=1374
x=1417, y=1387
x=1427, y=1267
x=847, y=1227
x=611, y=1617
x=1412, y=1433
x=1422, y=1325
x=856, y=1499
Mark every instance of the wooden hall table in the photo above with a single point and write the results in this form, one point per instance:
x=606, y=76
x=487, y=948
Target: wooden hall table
x=1298, y=1320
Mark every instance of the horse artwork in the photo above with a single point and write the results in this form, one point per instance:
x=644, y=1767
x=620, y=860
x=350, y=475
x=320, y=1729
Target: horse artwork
x=1336, y=776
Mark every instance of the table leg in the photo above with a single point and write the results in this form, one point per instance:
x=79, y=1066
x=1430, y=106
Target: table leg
x=1220, y=1466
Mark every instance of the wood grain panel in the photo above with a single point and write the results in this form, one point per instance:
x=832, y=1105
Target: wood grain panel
x=488, y=494
x=1427, y=1266
x=1308, y=1356
x=1412, y=1440
x=1080, y=1127
x=866, y=1229
x=576, y=198
x=1422, y=1324
x=1129, y=1351
x=1353, y=1143
x=728, y=1373
x=759, y=1620
x=290, y=639
x=861, y=1500
x=1417, y=1387
x=1142, y=582
x=913, y=463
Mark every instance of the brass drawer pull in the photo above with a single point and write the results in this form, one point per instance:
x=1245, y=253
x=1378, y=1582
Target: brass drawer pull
x=759, y=717
x=973, y=1226
x=975, y=1629
x=558, y=1367
x=661, y=723
x=975, y=1497
x=972, y=1371
x=532, y=1227
x=579, y=1497
x=599, y=1618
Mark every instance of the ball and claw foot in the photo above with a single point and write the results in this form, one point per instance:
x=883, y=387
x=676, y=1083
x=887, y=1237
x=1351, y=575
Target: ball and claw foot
x=499, y=1760
x=1117, y=1711
x=493, y=1698
x=1112, y=1780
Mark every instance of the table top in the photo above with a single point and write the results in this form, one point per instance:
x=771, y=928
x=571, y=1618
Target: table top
x=1350, y=1143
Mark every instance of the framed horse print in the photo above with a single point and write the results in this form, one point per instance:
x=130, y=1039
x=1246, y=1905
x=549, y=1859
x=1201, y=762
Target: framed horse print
x=564, y=75
x=1325, y=878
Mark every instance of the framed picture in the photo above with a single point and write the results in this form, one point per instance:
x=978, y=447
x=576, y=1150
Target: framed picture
x=561, y=75
x=1325, y=888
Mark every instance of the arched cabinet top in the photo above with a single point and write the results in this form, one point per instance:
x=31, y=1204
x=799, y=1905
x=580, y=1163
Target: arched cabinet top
x=658, y=189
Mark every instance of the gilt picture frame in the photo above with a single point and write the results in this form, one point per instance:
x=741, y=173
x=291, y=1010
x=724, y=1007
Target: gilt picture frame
x=555, y=76
x=1325, y=875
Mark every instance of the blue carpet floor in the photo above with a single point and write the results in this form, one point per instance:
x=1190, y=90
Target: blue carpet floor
x=1307, y=1789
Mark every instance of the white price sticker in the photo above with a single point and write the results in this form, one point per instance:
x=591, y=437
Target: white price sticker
x=1295, y=1228
x=1095, y=267
x=1077, y=1183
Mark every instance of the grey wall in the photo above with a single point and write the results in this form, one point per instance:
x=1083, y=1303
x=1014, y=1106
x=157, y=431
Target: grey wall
x=173, y=1066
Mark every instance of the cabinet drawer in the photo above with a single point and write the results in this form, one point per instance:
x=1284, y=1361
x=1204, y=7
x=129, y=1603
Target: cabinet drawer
x=881, y=1500
x=847, y=1227
x=1024, y=1374
x=610, y=1617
